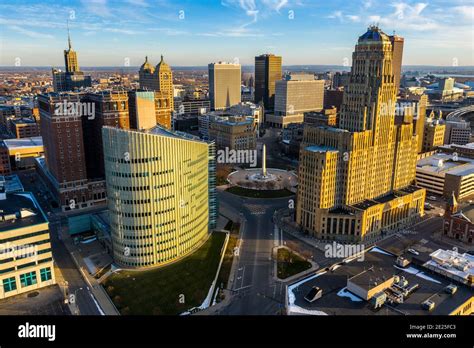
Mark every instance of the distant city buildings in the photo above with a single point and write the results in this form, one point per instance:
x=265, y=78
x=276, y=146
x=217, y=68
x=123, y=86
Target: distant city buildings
x=161, y=189
x=224, y=85
x=295, y=95
x=26, y=261
x=356, y=181
x=267, y=72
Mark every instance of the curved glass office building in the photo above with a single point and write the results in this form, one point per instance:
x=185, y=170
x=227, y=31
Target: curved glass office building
x=158, y=194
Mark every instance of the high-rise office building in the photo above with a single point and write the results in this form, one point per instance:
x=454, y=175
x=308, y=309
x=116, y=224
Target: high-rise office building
x=160, y=79
x=355, y=182
x=224, y=85
x=71, y=79
x=397, y=58
x=160, y=194
x=26, y=260
x=267, y=72
x=71, y=126
x=298, y=93
x=110, y=109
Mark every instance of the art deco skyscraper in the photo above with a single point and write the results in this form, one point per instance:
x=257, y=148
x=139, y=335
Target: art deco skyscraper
x=70, y=57
x=355, y=181
x=267, y=72
x=71, y=79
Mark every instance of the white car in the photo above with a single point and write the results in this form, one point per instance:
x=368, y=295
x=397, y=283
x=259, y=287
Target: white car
x=413, y=251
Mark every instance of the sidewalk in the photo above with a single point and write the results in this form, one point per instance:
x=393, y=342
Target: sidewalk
x=228, y=294
x=281, y=220
x=99, y=294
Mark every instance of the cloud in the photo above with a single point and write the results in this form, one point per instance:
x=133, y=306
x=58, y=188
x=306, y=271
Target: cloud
x=30, y=33
x=97, y=7
x=141, y=3
x=122, y=31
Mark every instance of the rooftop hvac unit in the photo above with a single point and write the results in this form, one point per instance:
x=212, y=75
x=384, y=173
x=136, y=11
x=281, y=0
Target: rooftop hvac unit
x=428, y=305
x=379, y=299
x=402, y=262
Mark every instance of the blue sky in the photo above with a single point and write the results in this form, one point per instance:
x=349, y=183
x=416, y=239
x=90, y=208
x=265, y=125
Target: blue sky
x=196, y=32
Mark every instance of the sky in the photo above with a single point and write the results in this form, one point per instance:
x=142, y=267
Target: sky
x=197, y=32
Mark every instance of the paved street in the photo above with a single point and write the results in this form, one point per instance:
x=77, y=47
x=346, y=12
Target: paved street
x=255, y=290
x=65, y=265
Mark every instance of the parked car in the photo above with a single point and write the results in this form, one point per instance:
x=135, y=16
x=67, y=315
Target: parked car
x=432, y=198
x=413, y=251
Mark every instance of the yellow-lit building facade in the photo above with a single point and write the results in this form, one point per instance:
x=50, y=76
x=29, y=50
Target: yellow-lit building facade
x=26, y=259
x=158, y=195
x=160, y=80
x=355, y=182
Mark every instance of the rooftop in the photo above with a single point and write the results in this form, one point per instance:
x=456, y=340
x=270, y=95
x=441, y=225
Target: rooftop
x=19, y=210
x=318, y=148
x=442, y=163
x=337, y=300
x=23, y=143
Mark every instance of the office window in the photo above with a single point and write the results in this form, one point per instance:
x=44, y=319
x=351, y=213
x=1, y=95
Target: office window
x=45, y=274
x=9, y=284
x=28, y=279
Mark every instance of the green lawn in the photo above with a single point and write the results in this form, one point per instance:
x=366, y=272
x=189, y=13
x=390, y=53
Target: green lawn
x=157, y=291
x=289, y=263
x=241, y=191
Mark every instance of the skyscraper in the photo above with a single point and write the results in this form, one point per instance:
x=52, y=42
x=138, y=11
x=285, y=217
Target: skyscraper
x=71, y=79
x=159, y=78
x=73, y=166
x=160, y=194
x=224, y=85
x=356, y=180
x=397, y=49
x=267, y=72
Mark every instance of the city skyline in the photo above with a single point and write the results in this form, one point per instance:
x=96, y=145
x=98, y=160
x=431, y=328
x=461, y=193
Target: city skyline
x=107, y=33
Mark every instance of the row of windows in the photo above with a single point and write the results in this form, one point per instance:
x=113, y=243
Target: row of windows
x=26, y=279
x=135, y=160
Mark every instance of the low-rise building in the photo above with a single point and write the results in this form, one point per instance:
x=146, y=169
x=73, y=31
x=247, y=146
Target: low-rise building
x=24, y=128
x=22, y=152
x=459, y=224
x=443, y=174
x=26, y=260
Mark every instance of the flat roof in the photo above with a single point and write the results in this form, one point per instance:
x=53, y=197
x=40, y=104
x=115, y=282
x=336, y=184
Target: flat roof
x=14, y=204
x=320, y=148
x=442, y=164
x=337, y=300
x=23, y=143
